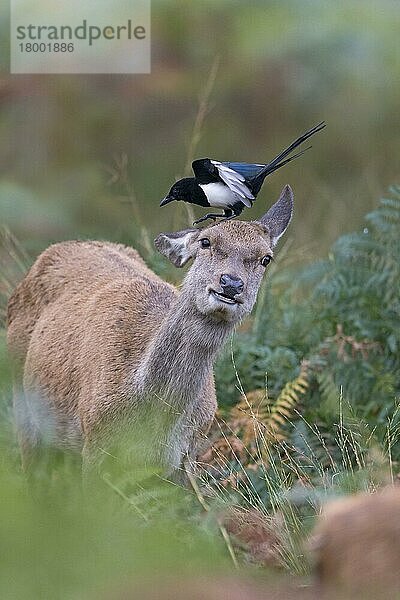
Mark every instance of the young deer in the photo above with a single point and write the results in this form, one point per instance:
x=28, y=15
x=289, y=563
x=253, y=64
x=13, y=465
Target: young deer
x=111, y=353
x=356, y=543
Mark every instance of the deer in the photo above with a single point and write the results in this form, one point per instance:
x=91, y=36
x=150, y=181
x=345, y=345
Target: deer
x=109, y=354
x=356, y=545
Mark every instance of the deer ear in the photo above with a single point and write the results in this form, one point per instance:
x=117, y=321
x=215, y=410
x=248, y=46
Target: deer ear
x=178, y=246
x=278, y=217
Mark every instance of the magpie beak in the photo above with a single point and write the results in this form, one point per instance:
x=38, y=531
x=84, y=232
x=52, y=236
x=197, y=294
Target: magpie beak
x=166, y=200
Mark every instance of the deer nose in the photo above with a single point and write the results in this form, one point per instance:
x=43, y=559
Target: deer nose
x=231, y=285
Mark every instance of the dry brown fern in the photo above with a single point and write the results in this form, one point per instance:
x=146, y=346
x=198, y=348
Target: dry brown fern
x=255, y=416
x=255, y=424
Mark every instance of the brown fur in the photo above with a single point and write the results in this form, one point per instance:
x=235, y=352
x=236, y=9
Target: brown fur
x=112, y=354
x=357, y=544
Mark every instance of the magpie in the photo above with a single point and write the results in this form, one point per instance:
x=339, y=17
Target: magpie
x=230, y=185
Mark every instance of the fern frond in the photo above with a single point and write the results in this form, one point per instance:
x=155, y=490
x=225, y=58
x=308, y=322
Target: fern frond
x=283, y=407
x=260, y=423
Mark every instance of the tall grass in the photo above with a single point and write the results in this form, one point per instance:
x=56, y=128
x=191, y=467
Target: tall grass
x=14, y=262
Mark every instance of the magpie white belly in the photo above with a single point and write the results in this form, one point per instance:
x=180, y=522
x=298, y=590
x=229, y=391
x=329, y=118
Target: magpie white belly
x=219, y=195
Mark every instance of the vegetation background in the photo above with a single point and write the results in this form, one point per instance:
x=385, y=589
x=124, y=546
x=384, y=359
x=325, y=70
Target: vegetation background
x=309, y=387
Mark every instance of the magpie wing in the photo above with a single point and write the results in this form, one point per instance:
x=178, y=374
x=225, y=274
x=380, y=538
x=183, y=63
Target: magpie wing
x=235, y=182
x=208, y=171
x=248, y=170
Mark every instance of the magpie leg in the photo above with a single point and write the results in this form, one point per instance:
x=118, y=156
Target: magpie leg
x=213, y=216
x=229, y=214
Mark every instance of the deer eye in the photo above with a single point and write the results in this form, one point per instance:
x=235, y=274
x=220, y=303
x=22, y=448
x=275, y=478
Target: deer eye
x=205, y=243
x=266, y=260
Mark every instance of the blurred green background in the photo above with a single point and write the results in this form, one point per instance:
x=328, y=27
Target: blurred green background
x=283, y=67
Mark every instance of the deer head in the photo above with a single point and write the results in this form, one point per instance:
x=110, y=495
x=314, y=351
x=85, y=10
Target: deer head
x=230, y=260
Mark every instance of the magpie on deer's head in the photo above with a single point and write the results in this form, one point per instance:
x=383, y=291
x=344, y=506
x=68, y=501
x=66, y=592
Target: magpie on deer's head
x=231, y=186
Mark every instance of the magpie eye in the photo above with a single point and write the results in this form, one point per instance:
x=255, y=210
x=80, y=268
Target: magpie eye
x=266, y=260
x=205, y=243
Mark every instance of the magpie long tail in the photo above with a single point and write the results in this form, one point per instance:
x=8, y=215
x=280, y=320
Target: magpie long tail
x=278, y=161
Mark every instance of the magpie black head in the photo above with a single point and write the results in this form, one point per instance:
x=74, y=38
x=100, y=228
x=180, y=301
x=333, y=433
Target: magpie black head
x=186, y=189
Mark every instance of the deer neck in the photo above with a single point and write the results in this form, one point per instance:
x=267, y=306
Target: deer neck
x=181, y=355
